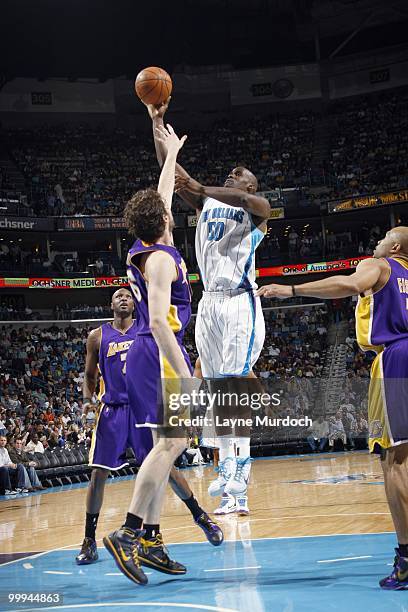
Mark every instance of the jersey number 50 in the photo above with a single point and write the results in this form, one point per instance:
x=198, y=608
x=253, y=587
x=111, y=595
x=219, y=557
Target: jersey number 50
x=216, y=230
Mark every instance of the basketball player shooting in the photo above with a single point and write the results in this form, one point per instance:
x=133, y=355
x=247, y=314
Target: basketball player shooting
x=230, y=328
x=115, y=431
x=381, y=326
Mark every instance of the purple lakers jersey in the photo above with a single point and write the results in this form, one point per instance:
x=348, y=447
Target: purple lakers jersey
x=112, y=363
x=180, y=300
x=382, y=318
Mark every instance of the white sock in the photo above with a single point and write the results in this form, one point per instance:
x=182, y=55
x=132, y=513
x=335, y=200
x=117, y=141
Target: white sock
x=226, y=445
x=243, y=447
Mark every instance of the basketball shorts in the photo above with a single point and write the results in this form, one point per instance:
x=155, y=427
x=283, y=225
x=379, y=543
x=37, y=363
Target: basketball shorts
x=115, y=431
x=388, y=397
x=229, y=333
x=146, y=371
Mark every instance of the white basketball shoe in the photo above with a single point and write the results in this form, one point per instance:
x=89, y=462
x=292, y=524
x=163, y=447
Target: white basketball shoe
x=238, y=483
x=227, y=505
x=226, y=471
x=241, y=505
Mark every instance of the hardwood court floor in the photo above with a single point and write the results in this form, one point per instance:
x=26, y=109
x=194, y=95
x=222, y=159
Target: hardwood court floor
x=292, y=496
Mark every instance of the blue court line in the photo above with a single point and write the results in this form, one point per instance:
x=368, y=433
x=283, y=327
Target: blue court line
x=338, y=573
x=379, y=482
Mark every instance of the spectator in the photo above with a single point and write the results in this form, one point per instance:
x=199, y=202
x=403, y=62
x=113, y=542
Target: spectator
x=16, y=471
x=99, y=266
x=19, y=456
x=336, y=431
x=34, y=446
x=319, y=435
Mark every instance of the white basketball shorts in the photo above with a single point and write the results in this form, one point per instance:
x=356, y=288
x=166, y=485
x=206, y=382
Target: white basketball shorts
x=229, y=333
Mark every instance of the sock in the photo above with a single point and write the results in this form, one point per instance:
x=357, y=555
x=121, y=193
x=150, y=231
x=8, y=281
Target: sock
x=226, y=447
x=133, y=521
x=151, y=531
x=90, y=525
x=403, y=550
x=193, y=506
x=243, y=448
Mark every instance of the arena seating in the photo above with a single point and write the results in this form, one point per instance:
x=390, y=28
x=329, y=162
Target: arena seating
x=70, y=465
x=369, y=143
x=71, y=169
x=280, y=246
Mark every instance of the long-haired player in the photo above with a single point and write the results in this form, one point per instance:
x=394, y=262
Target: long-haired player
x=158, y=278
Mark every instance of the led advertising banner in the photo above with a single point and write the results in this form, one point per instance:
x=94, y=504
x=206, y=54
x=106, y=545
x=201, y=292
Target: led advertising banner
x=122, y=281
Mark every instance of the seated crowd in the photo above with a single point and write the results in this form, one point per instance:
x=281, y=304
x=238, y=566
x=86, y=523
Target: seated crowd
x=74, y=170
x=83, y=170
x=298, y=244
x=369, y=143
x=348, y=427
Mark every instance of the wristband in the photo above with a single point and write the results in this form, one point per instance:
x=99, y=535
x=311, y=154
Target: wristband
x=293, y=291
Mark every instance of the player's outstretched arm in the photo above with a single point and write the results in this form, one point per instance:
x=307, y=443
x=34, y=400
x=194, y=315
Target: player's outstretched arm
x=256, y=205
x=173, y=145
x=160, y=271
x=156, y=114
x=366, y=276
x=91, y=367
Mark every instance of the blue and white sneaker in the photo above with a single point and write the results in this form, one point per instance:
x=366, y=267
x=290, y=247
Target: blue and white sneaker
x=241, y=503
x=238, y=484
x=226, y=471
x=227, y=505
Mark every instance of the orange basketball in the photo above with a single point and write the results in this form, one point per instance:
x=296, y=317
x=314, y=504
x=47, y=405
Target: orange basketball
x=153, y=85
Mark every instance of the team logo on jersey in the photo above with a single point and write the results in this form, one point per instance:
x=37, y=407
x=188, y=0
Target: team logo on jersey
x=220, y=212
x=118, y=347
x=376, y=429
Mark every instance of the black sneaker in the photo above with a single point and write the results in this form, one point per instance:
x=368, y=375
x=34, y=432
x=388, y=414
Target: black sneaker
x=212, y=531
x=154, y=554
x=88, y=553
x=125, y=545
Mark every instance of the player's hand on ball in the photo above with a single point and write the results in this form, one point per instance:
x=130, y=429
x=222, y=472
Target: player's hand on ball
x=279, y=291
x=188, y=184
x=169, y=138
x=158, y=111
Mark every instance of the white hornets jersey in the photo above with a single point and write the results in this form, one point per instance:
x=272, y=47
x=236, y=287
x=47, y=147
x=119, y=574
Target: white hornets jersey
x=226, y=240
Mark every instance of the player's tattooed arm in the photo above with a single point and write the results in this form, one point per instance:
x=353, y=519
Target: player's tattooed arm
x=254, y=204
x=160, y=272
x=91, y=366
x=156, y=114
x=370, y=274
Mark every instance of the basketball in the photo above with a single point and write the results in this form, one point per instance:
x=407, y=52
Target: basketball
x=153, y=85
